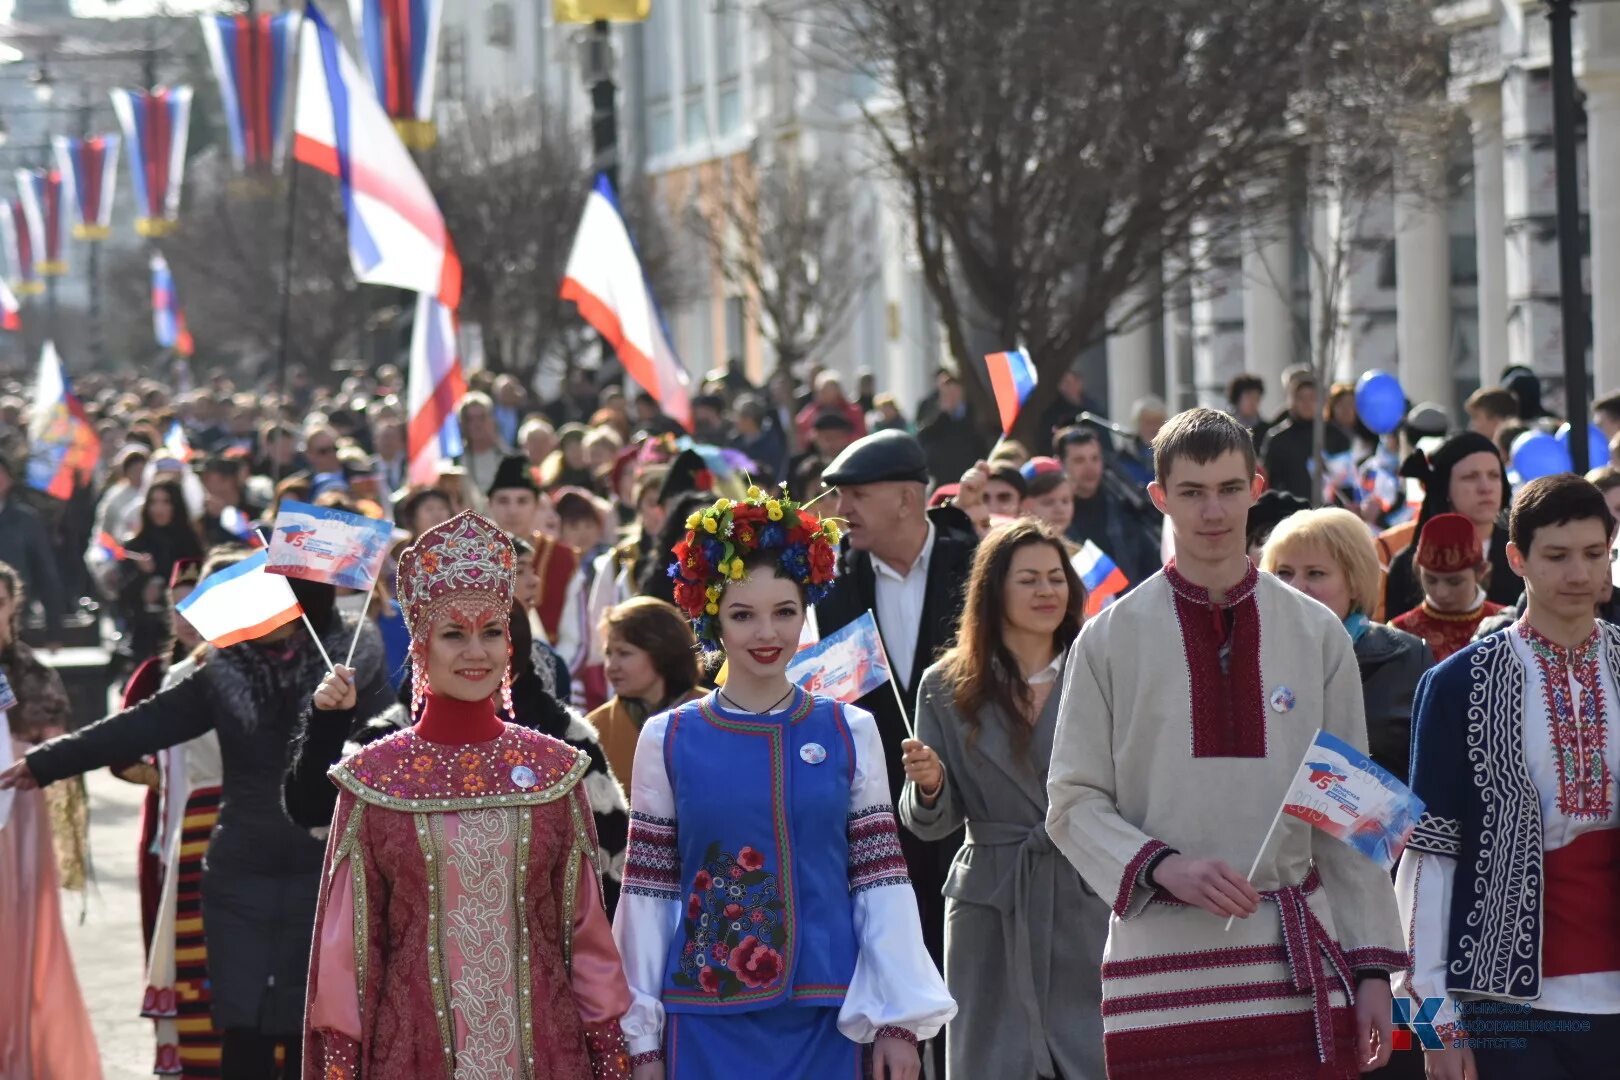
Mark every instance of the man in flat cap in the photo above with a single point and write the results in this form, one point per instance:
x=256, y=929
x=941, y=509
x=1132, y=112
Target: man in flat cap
x=908, y=565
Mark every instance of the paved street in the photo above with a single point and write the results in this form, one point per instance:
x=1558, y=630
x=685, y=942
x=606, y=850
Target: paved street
x=107, y=945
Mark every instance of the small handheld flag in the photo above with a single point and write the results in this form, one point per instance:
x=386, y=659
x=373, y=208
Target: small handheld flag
x=847, y=664
x=63, y=446
x=240, y=603
x=1104, y=581
x=107, y=544
x=319, y=543
x=1012, y=378
x=168, y=320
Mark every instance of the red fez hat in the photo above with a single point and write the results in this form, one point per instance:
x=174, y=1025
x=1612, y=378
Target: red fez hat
x=1449, y=543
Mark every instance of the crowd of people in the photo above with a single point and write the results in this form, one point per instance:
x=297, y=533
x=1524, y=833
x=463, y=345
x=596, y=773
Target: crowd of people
x=623, y=842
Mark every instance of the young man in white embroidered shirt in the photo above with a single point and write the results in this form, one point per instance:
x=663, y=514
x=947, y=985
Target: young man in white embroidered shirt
x=1510, y=886
x=1187, y=707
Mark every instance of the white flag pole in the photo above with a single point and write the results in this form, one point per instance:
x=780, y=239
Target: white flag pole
x=360, y=623
x=1255, y=868
x=899, y=699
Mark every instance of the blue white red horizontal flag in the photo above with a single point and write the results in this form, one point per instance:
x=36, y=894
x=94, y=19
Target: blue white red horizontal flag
x=319, y=543
x=156, y=124
x=605, y=280
x=396, y=233
x=89, y=169
x=1013, y=379
x=240, y=603
x=434, y=388
x=1343, y=792
x=252, y=61
x=399, y=43
x=1104, y=581
x=847, y=664
x=108, y=547
x=63, y=446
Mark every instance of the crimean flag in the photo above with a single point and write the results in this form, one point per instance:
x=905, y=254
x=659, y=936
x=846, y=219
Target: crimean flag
x=434, y=388
x=89, y=169
x=252, y=58
x=399, y=43
x=10, y=309
x=1104, y=581
x=1012, y=377
x=168, y=318
x=63, y=447
x=240, y=603
x=605, y=280
x=19, y=241
x=396, y=234
x=1347, y=795
x=155, y=124
x=40, y=191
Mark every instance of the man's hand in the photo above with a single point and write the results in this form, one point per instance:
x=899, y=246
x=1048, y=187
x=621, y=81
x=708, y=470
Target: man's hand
x=1375, y=1024
x=19, y=777
x=1209, y=884
x=1450, y=1064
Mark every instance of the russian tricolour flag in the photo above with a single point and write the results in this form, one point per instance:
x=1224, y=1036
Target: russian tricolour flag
x=1012, y=377
x=63, y=446
x=240, y=603
x=604, y=278
x=396, y=233
x=1343, y=792
x=1104, y=581
x=168, y=320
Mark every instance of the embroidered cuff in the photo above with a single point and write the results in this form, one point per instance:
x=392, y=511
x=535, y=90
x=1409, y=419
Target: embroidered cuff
x=652, y=860
x=610, y=1056
x=166, y=1062
x=159, y=1004
x=1129, y=884
x=875, y=857
x=1450, y=1035
x=647, y=1058
x=340, y=1056
x=1370, y=962
x=896, y=1033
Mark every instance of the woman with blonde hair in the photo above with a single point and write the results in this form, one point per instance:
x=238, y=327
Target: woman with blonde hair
x=1329, y=556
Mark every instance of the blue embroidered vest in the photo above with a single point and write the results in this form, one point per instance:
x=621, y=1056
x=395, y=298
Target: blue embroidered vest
x=763, y=809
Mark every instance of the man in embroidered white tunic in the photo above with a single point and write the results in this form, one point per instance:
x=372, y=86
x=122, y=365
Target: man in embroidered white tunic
x=1167, y=770
x=1510, y=886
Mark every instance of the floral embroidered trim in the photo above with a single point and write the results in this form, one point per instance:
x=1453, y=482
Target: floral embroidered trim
x=1165, y=963
x=1228, y=705
x=875, y=856
x=610, y=1054
x=406, y=772
x=1578, y=729
x=1128, y=883
x=646, y=1058
x=891, y=1032
x=1204, y=995
x=482, y=927
x=1437, y=835
x=652, y=860
x=1379, y=959
x=734, y=926
x=525, y=952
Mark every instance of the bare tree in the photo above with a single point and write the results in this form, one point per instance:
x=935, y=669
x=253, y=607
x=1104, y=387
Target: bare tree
x=788, y=236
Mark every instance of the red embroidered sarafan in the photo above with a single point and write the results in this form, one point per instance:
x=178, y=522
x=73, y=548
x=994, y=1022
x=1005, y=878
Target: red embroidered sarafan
x=1228, y=700
x=1579, y=730
x=407, y=772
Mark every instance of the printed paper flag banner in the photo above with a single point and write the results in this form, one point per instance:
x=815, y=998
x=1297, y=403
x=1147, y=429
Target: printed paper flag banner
x=240, y=603
x=1341, y=791
x=1013, y=378
x=318, y=543
x=1104, y=581
x=846, y=665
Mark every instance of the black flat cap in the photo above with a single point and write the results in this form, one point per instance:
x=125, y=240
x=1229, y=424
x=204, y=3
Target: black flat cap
x=887, y=455
x=513, y=472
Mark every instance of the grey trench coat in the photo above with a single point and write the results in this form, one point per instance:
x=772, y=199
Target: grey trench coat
x=1024, y=935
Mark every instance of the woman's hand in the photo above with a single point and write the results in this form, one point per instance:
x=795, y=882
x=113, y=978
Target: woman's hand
x=893, y=1059
x=19, y=777
x=923, y=768
x=648, y=1070
x=336, y=692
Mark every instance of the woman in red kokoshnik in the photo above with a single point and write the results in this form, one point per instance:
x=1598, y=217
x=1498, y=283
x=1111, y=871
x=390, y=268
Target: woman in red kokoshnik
x=461, y=931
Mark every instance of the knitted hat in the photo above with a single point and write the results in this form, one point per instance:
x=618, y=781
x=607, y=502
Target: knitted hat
x=1449, y=543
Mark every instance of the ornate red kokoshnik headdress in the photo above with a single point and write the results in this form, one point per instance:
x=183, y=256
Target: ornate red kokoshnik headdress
x=720, y=539
x=460, y=569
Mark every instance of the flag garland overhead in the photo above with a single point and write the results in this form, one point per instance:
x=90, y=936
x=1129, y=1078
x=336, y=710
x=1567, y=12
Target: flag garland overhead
x=399, y=44
x=252, y=59
x=40, y=191
x=155, y=125
x=89, y=169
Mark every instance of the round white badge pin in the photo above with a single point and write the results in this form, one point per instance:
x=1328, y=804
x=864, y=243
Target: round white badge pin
x=813, y=753
x=1282, y=700
x=524, y=777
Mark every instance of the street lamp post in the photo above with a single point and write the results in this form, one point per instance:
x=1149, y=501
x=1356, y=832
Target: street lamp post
x=1571, y=294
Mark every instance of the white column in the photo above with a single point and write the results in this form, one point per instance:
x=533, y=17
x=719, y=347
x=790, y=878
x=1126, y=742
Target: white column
x=1490, y=227
x=1603, y=176
x=1268, y=303
x=1423, y=300
x=1130, y=355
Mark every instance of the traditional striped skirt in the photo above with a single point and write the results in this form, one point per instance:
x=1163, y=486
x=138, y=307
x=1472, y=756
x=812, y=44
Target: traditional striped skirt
x=178, y=994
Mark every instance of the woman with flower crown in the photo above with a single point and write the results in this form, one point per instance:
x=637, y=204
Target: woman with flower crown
x=461, y=931
x=767, y=924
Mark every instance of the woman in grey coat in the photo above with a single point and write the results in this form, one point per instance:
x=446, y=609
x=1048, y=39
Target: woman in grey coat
x=1023, y=934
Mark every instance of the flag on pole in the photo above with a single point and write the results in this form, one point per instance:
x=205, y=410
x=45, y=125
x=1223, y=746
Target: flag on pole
x=396, y=233
x=63, y=446
x=434, y=388
x=847, y=664
x=176, y=443
x=605, y=280
x=89, y=169
x=233, y=521
x=334, y=547
x=155, y=123
x=19, y=243
x=399, y=44
x=1343, y=792
x=1104, y=581
x=40, y=191
x=252, y=60
x=168, y=319
x=10, y=309
x=240, y=603
x=1012, y=378
x=107, y=544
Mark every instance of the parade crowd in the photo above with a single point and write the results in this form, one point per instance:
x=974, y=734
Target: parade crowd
x=561, y=812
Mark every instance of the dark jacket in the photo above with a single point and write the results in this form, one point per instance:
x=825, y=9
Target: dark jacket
x=1391, y=662
x=261, y=875
x=952, y=445
x=26, y=547
x=768, y=451
x=1402, y=592
x=1289, y=450
x=1125, y=538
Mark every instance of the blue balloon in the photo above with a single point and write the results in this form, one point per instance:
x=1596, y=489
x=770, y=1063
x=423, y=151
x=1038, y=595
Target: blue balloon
x=1380, y=401
x=1597, y=447
x=1537, y=454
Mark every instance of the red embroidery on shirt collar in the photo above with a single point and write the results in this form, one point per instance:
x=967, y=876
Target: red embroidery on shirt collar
x=1197, y=594
x=1579, y=737
x=1228, y=705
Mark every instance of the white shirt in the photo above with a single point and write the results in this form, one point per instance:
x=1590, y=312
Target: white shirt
x=900, y=599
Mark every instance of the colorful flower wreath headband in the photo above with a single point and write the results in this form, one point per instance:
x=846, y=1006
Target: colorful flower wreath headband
x=720, y=540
